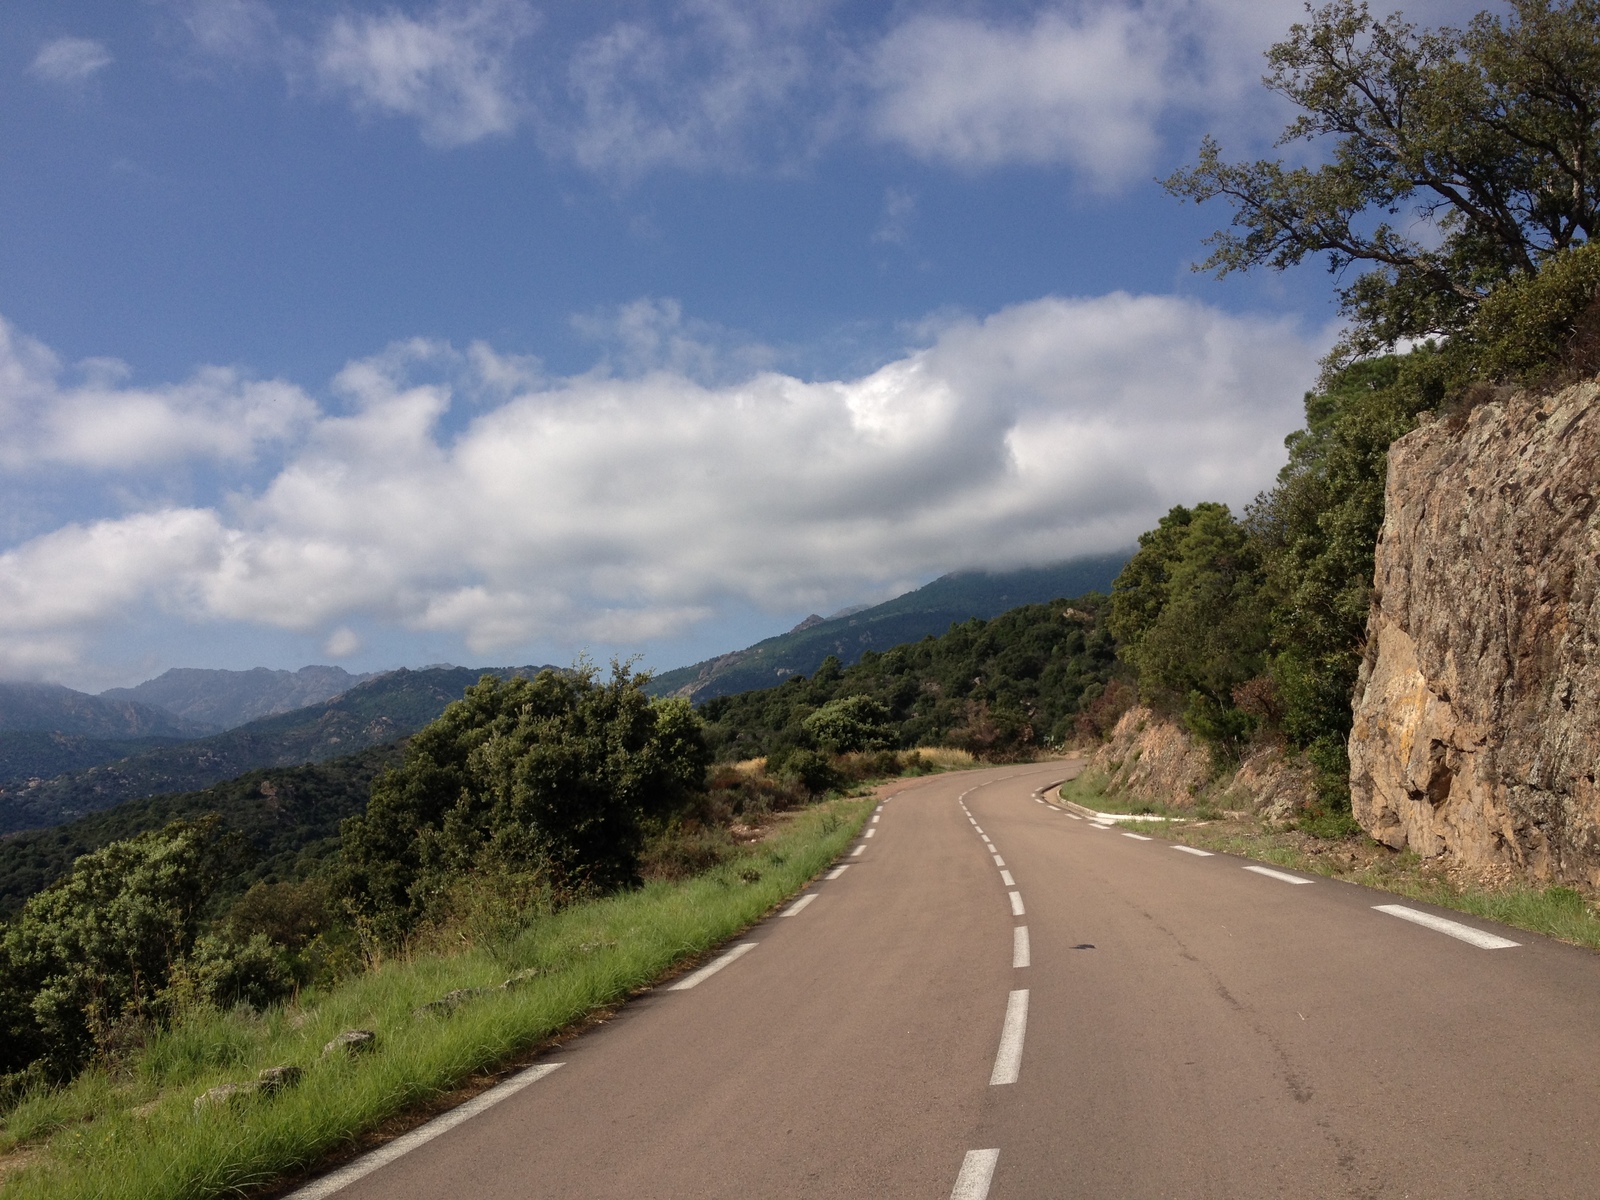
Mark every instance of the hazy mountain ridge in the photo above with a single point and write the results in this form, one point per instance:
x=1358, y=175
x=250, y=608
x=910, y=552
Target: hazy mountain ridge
x=227, y=699
x=51, y=708
x=928, y=611
x=382, y=709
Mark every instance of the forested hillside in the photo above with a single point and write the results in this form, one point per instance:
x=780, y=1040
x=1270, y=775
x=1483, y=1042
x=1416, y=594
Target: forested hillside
x=930, y=610
x=999, y=687
x=378, y=711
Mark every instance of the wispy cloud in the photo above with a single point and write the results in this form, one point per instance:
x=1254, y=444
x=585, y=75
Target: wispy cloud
x=70, y=60
x=450, y=69
x=618, y=506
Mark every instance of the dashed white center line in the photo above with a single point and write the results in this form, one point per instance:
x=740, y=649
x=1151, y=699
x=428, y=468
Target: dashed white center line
x=986, y=838
x=1455, y=929
x=979, y=828
x=977, y=1170
x=1271, y=874
x=870, y=832
x=1008, y=1062
x=712, y=967
x=1005, y=878
x=384, y=1155
x=798, y=904
x=1138, y=837
x=1021, y=954
x=998, y=861
x=1016, y=904
x=857, y=850
x=837, y=871
x=1192, y=850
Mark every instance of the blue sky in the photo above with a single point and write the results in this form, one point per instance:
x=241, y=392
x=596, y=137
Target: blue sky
x=492, y=331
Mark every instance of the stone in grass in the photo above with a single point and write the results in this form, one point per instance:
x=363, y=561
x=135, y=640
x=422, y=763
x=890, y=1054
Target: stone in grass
x=448, y=1003
x=526, y=975
x=351, y=1041
x=268, y=1082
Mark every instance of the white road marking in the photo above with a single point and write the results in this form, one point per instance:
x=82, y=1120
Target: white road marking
x=1008, y=1062
x=1283, y=875
x=1195, y=852
x=870, y=832
x=977, y=1169
x=712, y=967
x=1005, y=878
x=1097, y=825
x=1138, y=837
x=998, y=861
x=1074, y=816
x=858, y=850
x=837, y=871
x=798, y=904
x=874, y=818
x=1016, y=904
x=979, y=828
x=986, y=838
x=422, y=1134
x=1021, y=953
x=1455, y=929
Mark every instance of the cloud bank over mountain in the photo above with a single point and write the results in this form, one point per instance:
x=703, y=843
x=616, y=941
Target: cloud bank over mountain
x=465, y=493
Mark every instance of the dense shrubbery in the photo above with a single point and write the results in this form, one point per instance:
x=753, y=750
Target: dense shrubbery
x=1000, y=688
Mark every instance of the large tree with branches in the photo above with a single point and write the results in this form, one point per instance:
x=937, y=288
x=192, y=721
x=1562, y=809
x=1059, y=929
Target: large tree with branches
x=1453, y=160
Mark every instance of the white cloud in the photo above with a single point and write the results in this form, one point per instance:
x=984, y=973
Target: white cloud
x=70, y=60
x=343, y=642
x=451, y=70
x=100, y=424
x=619, y=508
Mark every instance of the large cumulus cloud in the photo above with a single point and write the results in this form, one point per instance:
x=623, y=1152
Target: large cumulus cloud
x=615, y=509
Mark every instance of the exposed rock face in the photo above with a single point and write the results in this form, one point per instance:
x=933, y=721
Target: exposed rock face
x=1477, y=713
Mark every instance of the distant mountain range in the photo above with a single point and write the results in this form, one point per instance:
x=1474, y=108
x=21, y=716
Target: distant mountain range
x=929, y=610
x=379, y=710
x=226, y=699
x=51, y=708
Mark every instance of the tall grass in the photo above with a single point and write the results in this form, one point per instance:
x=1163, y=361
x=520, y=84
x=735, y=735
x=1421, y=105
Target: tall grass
x=134, y=1133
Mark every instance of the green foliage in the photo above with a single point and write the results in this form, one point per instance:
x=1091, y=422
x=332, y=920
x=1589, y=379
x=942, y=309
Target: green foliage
x=848, y=723
x=1191, y=615
x=98, y=951
x=1489, y=131
x=999, y=688
x=558, y=774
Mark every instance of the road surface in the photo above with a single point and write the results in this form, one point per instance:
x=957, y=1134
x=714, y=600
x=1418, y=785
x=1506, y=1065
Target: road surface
x=996, y=998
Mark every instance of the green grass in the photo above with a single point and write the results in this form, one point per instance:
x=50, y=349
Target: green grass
x=1090, y=790
x=133, y=1133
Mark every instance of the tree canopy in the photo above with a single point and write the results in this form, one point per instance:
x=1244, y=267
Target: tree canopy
x=1455, y=160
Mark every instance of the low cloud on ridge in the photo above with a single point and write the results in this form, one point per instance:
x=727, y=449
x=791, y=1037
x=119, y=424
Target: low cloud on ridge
x=614, y=510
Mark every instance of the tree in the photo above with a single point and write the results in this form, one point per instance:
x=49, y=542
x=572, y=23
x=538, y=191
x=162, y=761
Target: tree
x=555, y=775
x=1488, y=134
x=851, y=723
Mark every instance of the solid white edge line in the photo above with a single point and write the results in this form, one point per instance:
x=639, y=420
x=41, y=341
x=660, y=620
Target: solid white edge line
x=1455, y=929
x=1271, y=874
x=1192, y=850
x=837, y=871
x=1016, y=904
x=798, y=904
x=1138, y=837
x=977, y=1170
x=1008, y=1061
x=1021, y=950
x=858, y=850
x=1005, y=878
x=421, y=1135
x=712, y=967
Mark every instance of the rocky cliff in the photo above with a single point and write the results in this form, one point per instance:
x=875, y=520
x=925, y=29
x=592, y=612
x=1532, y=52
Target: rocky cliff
x=1477, y=714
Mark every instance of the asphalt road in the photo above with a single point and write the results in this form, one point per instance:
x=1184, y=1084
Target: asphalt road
x=1169, y=1025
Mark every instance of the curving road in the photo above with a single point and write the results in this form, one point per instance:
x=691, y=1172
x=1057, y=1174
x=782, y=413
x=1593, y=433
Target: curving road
x=996, y=998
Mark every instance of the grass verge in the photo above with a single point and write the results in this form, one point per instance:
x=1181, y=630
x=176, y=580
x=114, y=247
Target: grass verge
x=1089, y=789
x=133, y=1132
x=1496, y=894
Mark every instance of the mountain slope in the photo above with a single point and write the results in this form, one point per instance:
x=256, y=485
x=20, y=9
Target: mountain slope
x=51, y=708
x=380, y=710
x=227, y=699
x=930, y=610
x=287, y=817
